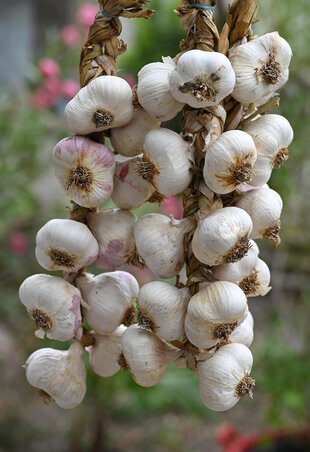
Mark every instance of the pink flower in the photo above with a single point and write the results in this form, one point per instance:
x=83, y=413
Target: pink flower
x=42, y=99
x=53, y=86
x=130, y=79
x=226, y=435
x=243, y=444
x=86, y=14
x=49, y=67
x=172, y=206
x=69, y=88
x=70, y=35
x=18, y=243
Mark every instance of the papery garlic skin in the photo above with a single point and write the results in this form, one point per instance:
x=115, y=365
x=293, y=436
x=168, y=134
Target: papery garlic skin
x=147, y=357
x=85, y=170
x=113, y=229
x=105, y=353
x=104, y=103
x=66, y=245
x=166, y=162
x=154, y=91
x=224, y=378
x=128, y=140
x=159, y=241
x=229, y=161
x=214, y=312
x=264, y=206
x=130, y=190
x=54, y=305
x=110, y=298
x=202, y=79
x=244, y=333
x=60, y=374
x=261, y=68
x=222, y=237
x=162, y=309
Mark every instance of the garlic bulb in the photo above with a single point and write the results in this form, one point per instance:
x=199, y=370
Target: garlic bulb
x=264, y=206
x=165, y=163
x=60, y=374
x=162, y=309
x=201, y=79
x=154, y=91
x=104, y=103
x=244, y=334
x=222, y=237
x=113, y=229
x=259, y=284
x=229, y=161
x=272, y=134
x=130, y=190
x=65, y=245
x=128, y=140
x=214, y=312
x=254, y=247
x=110, y=298
x=159, y=241
x=54, y=305
x=261, y=68
x=105, y=353
x=225, y=377
x=146, y=356
x=85, y=170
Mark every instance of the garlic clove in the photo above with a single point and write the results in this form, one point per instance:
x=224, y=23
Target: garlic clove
x=146, y=356
x=65, y=245
x=244, y=334
x=110, y=298
x=128, y=140
x=202, y=79
x=214, y=312
x=264, y=206
x=85, y=170
x=225, y=377
x=54, y=305
x=261, y=68
x=130, y=190
x=113, y=229
x=222, y=237
x=60, y=374
x=159, y=241
x=162, y=309
x=104, y=103
x=154, y=91
x=229, y=161
x=105, y=353
x=166, y=163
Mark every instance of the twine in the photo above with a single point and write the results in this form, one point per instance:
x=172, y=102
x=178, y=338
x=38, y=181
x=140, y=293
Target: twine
x=105, y=13
x=201, y=6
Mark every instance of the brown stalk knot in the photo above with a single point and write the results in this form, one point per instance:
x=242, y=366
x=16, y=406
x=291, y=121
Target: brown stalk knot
x=122, y=362
x=224, y=330
x=272, y=233
x=280, y=158
x=200, y=90
x=146, y=169
x=136, y=260
x=102, y=118
x=129, y=316
x=250, y=283
x=245, y=386
x=238, y=251
x=270, y=71
x=60, y=258
x=144, y=321
x=41, y=319
x=81, y=177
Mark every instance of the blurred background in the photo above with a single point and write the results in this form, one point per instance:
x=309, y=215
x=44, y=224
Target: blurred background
x=38, y=75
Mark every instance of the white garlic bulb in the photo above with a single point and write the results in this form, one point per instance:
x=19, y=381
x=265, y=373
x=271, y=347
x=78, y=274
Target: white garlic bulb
x=65, y=245
x=202, y=79
x=60, y=374
x=261, y=68
x=159, y=241
x=85, y=170
x=272, y=134
x=146, y=356
x=222, y=237
x=225, y=377
x=244, y=333
x=264, y=206
x=254, y=247
x=214, y=312
x=110, y=298
x=229, y=161
x=105, y=353
x=113, y=230
x=130, y=190
x=154, y=90
x=54, y=305
x=166, y=163
x=128, y=140
x=162, y=309
x=260, y=280
x=104, y=103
